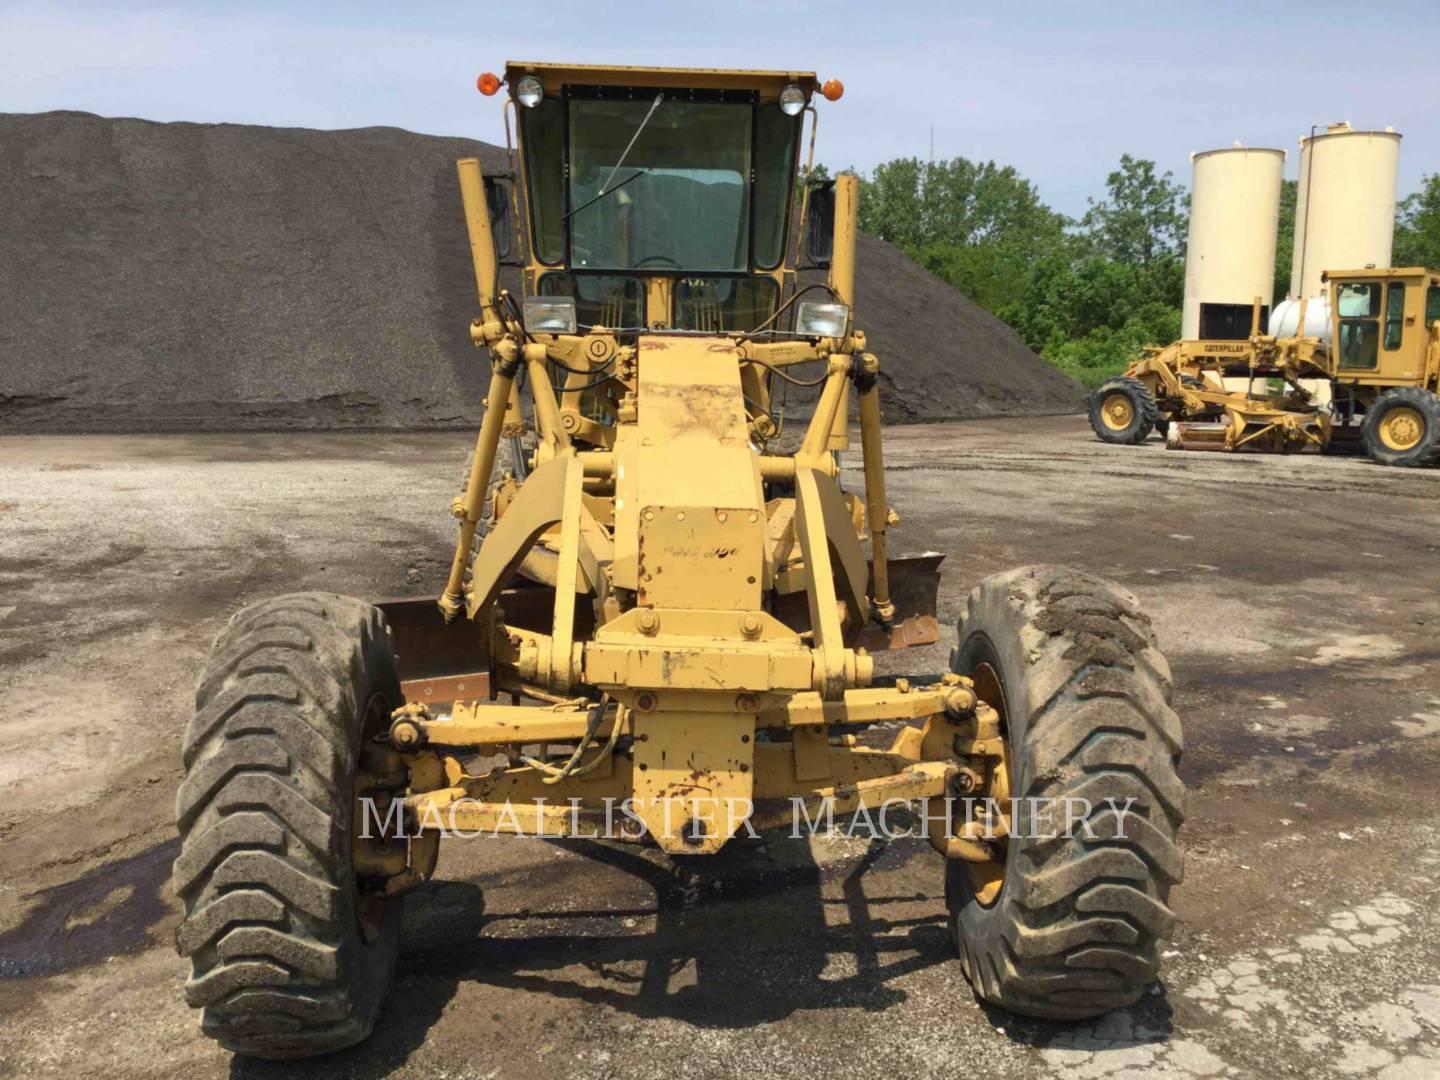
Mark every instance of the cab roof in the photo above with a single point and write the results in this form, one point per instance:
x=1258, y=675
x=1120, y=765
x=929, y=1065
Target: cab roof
x=553, y=76
x=1380, y=272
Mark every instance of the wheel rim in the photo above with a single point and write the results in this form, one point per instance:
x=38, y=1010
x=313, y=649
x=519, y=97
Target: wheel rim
x=987, y=879
x=1117, y=412
x=369, y=907
x=1402, y=428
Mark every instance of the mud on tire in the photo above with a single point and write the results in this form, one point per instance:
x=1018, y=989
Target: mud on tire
x=283, y=963
x=1086, y=706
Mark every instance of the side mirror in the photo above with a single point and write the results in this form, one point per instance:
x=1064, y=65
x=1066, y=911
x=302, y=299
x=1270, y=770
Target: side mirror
x=499, y=200
x=820, y=225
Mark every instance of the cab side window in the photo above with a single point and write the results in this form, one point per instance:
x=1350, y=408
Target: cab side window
x=1432, y=305
x=1394, y=314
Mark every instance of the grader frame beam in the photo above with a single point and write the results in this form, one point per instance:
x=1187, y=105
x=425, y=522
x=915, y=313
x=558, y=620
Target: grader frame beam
x=814, y=769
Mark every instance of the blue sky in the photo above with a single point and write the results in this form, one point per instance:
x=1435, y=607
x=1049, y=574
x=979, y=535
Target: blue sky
x=1059, y=90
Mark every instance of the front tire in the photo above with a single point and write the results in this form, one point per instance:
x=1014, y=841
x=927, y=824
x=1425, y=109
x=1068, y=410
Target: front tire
x=1070, y=663
x=290, y=958
x=1402, y=428
x=1123, y=411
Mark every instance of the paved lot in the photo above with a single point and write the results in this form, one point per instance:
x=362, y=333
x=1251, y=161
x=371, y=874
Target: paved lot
x=1296, y=598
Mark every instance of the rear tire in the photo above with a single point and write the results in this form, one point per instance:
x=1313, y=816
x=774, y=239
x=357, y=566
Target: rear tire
x=1123, y=411
x=1402, y=428
x=1084, y=695
x=288, y=959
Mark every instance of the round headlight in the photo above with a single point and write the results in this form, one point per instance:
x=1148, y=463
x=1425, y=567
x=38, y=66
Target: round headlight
x=528, y=91
x=792, y=100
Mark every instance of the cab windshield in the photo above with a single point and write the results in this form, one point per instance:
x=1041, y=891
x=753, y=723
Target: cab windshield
x=702, y=183
x=680, y=198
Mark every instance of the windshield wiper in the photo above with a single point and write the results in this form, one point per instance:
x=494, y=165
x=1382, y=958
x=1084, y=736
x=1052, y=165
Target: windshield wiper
x=591, y=202
x=605, y=188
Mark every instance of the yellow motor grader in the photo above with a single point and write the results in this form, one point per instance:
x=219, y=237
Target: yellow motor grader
x=1369, y=372
x=657, y=626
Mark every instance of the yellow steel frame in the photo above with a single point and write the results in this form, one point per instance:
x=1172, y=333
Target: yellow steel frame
x=948, y=731
x=653, y=526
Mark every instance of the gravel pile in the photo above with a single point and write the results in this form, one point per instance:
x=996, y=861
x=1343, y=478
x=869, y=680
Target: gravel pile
x=184, y=277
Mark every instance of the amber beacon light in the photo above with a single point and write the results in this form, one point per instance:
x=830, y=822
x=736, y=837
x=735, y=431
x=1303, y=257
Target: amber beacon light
x=488, y=83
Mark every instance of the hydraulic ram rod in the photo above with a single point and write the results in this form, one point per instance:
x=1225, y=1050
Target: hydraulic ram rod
x=879, y=514
x=469, y=508
x=506, y=362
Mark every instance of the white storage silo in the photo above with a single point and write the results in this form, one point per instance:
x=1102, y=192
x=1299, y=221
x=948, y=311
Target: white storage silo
x=1230, y=255
x=1345, y=204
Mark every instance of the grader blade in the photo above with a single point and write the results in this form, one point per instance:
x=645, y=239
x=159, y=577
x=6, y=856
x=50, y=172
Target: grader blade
x=1262, y=432
x=915, y=592
x=437, y=661
x=442, y=661
x=1197, y=436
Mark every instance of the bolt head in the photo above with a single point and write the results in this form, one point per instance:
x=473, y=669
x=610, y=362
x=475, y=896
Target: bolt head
x=404, y=735
x=645, y=702
x=750, y=624
x=647, y=621
x=960, y=702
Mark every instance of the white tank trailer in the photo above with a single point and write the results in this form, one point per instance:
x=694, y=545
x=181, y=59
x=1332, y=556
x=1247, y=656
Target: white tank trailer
x=1230, y=255
x=1285, y=318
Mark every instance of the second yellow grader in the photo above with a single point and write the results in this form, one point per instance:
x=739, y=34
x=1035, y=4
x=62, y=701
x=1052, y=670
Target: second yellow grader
x=1365, y=367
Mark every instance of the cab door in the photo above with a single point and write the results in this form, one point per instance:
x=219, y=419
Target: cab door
x=1358, y=306
x=1403, y=336
x=1378, y=331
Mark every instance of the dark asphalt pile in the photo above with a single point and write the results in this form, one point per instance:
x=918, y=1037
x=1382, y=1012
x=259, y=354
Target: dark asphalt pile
x=183, y=277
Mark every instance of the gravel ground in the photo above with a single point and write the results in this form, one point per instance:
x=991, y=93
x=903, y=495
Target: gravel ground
x=1295, y=598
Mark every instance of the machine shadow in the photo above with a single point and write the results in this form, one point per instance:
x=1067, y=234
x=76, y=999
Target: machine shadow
x=740, y=939
x=111, y=910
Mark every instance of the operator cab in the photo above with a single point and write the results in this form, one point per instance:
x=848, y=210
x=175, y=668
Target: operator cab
x=659, y=199
x=1383, y=320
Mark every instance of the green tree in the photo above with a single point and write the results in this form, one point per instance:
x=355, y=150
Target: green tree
x=1144, y=218
x=1285, y=241
x=890, y=203
x=1086, y=295
x=977, y=225
x=1417, y=226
